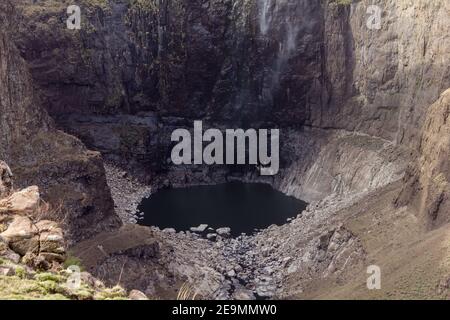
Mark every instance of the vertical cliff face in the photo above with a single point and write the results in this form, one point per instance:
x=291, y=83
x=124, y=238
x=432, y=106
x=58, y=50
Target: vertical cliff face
x=180, y=58
x=293, y=63
x=21, y=117
x=382, y=81
x=70, y=177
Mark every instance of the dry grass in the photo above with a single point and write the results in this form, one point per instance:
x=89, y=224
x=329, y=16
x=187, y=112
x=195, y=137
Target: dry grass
x=187, y=292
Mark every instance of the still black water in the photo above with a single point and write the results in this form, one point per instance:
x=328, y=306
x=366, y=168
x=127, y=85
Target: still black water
x=240, y=206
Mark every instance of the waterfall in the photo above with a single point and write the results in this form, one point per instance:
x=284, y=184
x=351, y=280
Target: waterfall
x=265, y=17
x=281, y=17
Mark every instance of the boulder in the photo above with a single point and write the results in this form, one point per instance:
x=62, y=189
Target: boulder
x=23, y=202
x=22, y=235
x=35, y=261
x=52, y=257
x=5, y=180
x=211, y=236
x=7, y=253
x=137, y=295
x=4, y=218
x=6, y=271
x=223, y=232
x=201, y=228
x=90, y=280
x=51, y=239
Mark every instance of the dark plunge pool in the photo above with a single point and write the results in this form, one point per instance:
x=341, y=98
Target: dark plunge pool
x=242, y=207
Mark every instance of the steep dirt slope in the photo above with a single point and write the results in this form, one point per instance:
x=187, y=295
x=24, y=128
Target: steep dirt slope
x=415, y=264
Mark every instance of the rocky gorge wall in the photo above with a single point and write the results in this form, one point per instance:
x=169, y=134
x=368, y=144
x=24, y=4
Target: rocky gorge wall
x=71, y=177
x=391, y=75
x=353, y=105
x=339, y=90
x=291, y=63
x=138, y=69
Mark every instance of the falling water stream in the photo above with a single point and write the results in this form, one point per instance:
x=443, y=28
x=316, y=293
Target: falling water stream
x=278, y=19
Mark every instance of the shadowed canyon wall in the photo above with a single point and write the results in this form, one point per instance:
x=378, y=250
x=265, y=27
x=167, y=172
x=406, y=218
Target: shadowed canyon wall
x=71, y=177
x=293, y=63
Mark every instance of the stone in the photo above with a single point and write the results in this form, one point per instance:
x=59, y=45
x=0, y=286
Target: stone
x=211, y=236
x=170, y=230
x=52, y=257
x=34, y=261
x=292, y=269
x=265, y=291
x=6, y=271
x=3, y=245
x=231, y=273
x=24, y=202
x=268, y=270
x=243, y=294
x=201, y=228
x=41, y=262
x=11, y=256
x=7, y=253
x=89, y=279
x=223, y=232
x=137, y=295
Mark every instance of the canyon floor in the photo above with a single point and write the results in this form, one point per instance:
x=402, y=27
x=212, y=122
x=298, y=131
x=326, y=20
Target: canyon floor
x=323, y=253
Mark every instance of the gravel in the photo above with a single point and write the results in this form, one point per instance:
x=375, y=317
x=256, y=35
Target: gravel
x=126, y=192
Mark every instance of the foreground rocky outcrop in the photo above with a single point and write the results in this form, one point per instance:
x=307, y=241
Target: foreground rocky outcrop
x=33, y=251
x=25, y=235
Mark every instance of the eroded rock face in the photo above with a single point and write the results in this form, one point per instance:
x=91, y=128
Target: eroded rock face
x=70, y=177
x=427, y=183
